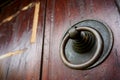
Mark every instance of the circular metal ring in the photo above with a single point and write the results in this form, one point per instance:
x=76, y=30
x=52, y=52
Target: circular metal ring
x=96, y=55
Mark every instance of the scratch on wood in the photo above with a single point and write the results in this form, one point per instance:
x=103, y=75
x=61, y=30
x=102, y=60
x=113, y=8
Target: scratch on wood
x=12, y=53
x=35, y=22
x=10, y=17
x=28, y=6
x=14, y=15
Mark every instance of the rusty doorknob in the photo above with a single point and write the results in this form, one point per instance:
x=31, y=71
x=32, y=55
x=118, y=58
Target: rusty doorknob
x=84, y=47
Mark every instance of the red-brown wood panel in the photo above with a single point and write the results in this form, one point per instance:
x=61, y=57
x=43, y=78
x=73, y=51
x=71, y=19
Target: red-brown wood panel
x=61, y=15
x=15, y=34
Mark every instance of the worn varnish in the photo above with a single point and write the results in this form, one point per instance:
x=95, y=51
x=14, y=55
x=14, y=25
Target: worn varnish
x=41, y=59
x=15, y=35
x=61, y=15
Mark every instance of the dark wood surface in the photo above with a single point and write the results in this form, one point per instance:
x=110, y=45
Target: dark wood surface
x=61, y=15
x=15, y=35
x=41, y=60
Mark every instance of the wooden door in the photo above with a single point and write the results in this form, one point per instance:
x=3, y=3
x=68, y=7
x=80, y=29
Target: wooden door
x=21, y=39
x=61, y=15
x=31, y=32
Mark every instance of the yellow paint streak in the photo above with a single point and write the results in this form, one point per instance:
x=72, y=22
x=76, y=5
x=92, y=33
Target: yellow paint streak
x=14, y=15
x=35, y=22
x=12, y=53
x=10, y=17
x=26, y=7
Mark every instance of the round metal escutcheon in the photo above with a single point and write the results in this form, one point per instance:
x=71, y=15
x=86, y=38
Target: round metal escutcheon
x=77, y=58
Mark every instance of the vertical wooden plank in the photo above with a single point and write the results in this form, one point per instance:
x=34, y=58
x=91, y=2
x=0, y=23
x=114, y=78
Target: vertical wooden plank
x=61, y=15
x=15, y=35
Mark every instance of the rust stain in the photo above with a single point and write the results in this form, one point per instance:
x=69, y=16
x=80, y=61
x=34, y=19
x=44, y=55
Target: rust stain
x=12, y=53
x=35, y=23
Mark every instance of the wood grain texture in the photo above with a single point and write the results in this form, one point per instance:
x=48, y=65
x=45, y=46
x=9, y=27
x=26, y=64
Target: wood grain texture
x=61, y=15
x=15, y=35
x=9, y=18
x=9, y=54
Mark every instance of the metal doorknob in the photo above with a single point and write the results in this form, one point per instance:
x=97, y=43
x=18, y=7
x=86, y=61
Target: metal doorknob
x=84, y=47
